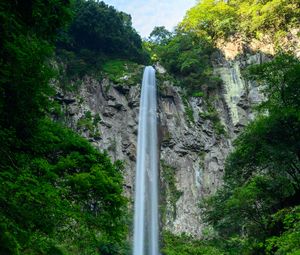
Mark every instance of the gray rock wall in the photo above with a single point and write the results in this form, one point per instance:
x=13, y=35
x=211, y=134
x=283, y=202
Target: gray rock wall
x=192, y=151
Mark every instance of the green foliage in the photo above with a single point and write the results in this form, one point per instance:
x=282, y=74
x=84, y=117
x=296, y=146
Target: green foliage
x=89, y=123
x=188, y=110
x=273, y=17
x=262, y=146
x=59, y=190
x=58, y=194
x=122, y=71
x=101, y=28
x=187, y=57
x=186, y=245
x=114, y=68
x=97, y=119
x=97, y=33
x=160, y=35
x=78, y=64
x=219, y=128
x=256, y=211
x=220, y=19
x=211, y=19
x=212, y=115
x=198, y=94
x=24, y=73
x=85, y=123
x=280, y=82
x=172, y=194
x=289, y=241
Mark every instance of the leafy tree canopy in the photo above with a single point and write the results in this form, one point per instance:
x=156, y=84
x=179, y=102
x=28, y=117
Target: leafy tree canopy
x=262, y=174
x=28, y=30
x=211, y=19
x=160, y=35
x=186, y=56
x=98, y=32
x=58, y=194
x=220, y=19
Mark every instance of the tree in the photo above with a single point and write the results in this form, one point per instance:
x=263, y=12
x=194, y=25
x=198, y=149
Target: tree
x=262, y=174
x=211, y=19
x=58, y=194
x=221, y=19
x=28, y=30
x=279, y=80
x=102, y=30
x=273, y=17
x=188, y=57
x=160, y=35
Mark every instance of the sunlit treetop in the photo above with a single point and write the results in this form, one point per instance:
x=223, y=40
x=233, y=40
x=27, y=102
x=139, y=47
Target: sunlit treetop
x=220, y=19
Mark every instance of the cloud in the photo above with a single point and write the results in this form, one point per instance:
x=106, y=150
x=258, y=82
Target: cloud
x=148, y=14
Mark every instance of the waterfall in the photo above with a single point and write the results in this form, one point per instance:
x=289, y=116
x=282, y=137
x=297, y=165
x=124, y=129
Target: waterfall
x=145, y=239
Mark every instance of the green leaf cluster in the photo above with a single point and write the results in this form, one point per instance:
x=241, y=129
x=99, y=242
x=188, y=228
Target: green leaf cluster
x=186, y=245
x=249, y=18
x=122, y=71
x=187, y=57
x=170, y=191
x=27, y=37
x=98, y=33
x=160, y=35
x=58, y=194
x=211, y=19
x=257, y=209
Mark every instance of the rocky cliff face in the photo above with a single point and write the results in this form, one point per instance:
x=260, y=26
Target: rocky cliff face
x=196, y=150
x=195, y=134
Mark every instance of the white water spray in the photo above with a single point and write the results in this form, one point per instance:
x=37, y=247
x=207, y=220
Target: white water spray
x=145, y=240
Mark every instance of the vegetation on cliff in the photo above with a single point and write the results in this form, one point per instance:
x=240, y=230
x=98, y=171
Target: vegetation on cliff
x=257, y=209
x=98, y=33
x=58, y=194
x=187, y=52
x=221, y=19
x=186, y=56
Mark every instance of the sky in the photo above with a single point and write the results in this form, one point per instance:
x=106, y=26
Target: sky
x=148, y=14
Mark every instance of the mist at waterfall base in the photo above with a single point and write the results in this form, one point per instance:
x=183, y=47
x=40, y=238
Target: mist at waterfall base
x=145, y=236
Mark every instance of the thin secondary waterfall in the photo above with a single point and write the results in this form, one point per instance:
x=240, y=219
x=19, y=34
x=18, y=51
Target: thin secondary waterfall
x=145, y=241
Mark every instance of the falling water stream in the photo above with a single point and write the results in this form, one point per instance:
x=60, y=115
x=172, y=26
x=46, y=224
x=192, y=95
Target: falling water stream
x=145, y=239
